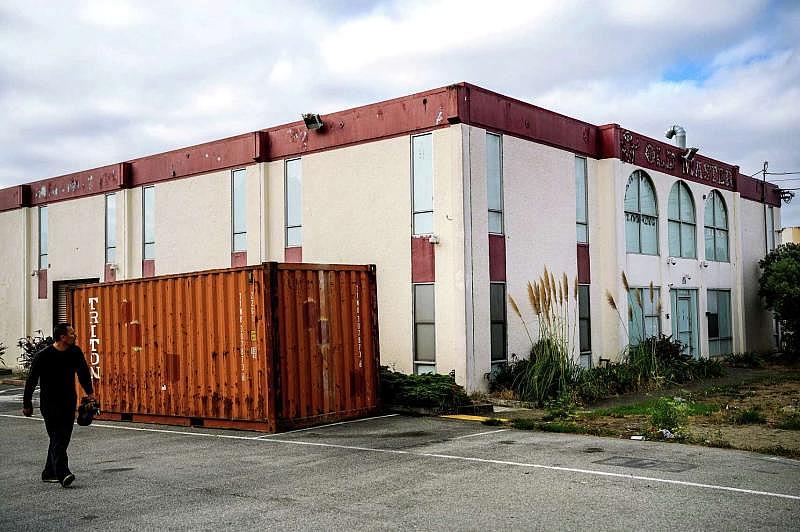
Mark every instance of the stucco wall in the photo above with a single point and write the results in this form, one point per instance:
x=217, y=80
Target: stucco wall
x=758, y=322
x=539, y=205
x=356, y=209
x=14, y=275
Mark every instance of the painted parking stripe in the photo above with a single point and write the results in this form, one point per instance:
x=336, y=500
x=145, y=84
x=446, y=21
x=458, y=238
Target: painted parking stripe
x=478, y=434
x=328, y=425
x=452, y=457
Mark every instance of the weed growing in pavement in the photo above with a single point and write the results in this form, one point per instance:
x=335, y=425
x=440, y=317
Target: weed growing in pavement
x=492, y=422
x=524, y=424
x=791, y=422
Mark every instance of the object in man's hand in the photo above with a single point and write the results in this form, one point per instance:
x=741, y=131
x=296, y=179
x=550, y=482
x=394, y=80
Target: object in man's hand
x=87, y=410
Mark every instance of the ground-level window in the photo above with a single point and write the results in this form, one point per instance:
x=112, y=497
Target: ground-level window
x=424, y=329
x=584, y=326
x=497, y=311
x=644, y=317
x=720, y=338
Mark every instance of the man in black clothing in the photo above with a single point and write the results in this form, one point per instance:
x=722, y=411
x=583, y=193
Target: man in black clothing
x=54, y=368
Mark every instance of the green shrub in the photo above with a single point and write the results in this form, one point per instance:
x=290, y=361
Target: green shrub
x=31, y=345
x=791, y=422
x=749, y=359
x=430, y=390
x=548, y=373
x=779, y=285
x=524, y=424
x=492, y=422
x=751, y=416
x=669, y=413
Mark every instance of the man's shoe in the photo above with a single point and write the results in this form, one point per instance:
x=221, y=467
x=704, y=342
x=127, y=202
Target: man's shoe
x=52, y=480
x=69, y=479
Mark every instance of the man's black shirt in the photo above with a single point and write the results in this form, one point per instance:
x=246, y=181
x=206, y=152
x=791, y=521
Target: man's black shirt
x=55, y=371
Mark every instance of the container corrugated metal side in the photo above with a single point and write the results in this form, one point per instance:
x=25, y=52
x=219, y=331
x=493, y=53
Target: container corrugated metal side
x=211, y=348
x=328, y=343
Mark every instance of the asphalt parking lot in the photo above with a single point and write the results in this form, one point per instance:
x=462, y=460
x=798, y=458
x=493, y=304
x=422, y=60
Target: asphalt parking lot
x=384, y=473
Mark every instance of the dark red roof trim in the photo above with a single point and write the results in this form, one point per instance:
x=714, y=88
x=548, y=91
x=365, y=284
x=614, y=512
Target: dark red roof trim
x=424, y=111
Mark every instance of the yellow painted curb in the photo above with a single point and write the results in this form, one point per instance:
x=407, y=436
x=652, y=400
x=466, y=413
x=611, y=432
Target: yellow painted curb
x=464, y=417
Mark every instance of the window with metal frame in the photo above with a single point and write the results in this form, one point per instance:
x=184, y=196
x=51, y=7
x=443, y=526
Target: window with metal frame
x=422, y=184
x=44, y=261
x=716, y=228
x=718, y=315
x=497, y=313
x=644, y=317
x=682, y=229
x=149, y=223
x=581, y=201
x=641, y=215
x=424, y=328
x=238, y=210
x=494, y=182
x=111, y=228
x=293, y=187
x=584, y=326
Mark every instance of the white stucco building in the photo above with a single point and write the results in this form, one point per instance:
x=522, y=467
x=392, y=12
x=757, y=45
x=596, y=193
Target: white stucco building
x=459, y=195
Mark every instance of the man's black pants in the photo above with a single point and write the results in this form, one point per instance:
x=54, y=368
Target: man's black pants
x=59, y=427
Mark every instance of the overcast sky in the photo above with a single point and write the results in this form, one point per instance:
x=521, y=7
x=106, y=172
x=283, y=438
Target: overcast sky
x=89, y=83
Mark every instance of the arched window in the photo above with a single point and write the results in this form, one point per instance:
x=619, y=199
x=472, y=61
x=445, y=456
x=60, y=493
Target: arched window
x=682, y=230
x=641, y=215
x=716, y=224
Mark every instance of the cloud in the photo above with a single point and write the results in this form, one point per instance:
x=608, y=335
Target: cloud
x=87, y=83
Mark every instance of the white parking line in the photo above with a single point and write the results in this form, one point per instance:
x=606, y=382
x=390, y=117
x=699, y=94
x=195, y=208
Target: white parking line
x=450, y=457
x=12, y=390
x=478, y=434
x=328, y=425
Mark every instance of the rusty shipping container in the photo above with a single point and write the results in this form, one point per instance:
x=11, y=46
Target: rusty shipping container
x=270, y=347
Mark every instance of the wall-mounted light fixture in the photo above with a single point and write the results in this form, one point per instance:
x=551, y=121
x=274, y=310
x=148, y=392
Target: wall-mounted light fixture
x=313, y=121
x=433, y=239
x=704, y=264
x=671, y=261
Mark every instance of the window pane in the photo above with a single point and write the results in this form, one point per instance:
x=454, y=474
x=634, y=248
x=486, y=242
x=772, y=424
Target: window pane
x=149, y=208
x=582, y=233
x=111, y=255
x=709, y=237
x=583, y=301
x=688, y=247
x=423, y=223
x=636, y=324
x=770, y=230
x=586, y=360
x=580, y=189
x=294, y=237
x=424, y=308
x=652, y=326
x=714, y=348
x=240, y=242
x=423, y=172
x=425, y=343
x=712, y=301
x=673, y=203
x=647, y=202
x=675, y=239
x=632, y=243
x=494, y=172
x=239, y=198
x=424, y=369
x=149, y=251
x=725, y=346
x=708, y=219
x=649, y=235
x=43, y=230
x=632, y=194
x=585, y=338
x=650, y=298
x=496, y=222
x=497, y=302
x=294, y=183
x=111, y=220
x=498, y=341
x=724, y=311
x=686, y=204
x=722, y=245
x=720, y=215
x=43, y=262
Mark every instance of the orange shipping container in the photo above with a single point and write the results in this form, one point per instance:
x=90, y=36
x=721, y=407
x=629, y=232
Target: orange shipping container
x=269, y=347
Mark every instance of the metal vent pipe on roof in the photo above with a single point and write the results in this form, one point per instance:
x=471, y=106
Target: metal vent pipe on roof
x=678, y=132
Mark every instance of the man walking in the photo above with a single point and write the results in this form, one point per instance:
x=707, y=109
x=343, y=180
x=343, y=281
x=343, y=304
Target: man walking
x=54, y=368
